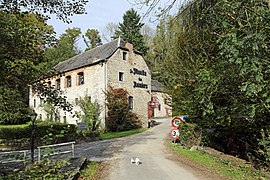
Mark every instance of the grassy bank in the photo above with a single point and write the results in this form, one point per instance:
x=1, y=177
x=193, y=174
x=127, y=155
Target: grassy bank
x=91, y=170
x=121, y=134
x=225, y=168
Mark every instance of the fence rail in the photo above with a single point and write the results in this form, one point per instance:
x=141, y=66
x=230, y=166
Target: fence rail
x=49, y=151
x=13, y=156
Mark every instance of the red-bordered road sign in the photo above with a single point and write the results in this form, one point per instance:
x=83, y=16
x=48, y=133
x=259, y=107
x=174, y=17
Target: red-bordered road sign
x=175, y=133
x=176, y=121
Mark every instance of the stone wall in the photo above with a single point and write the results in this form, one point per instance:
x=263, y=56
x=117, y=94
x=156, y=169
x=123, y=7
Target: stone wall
x=94, y=85
x=136, y=79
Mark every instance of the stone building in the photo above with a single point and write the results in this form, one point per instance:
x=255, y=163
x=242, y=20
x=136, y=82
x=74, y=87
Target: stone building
x=160, y=104
x=116, y=64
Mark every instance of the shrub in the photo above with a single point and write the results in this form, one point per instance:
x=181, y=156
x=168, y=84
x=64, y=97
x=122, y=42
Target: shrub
x=44, y=133
x=190, y=135
x=91, y=112
x=120, y=118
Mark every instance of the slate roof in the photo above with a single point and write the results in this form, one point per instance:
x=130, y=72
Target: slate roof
x=91, y=56
x=157, y=86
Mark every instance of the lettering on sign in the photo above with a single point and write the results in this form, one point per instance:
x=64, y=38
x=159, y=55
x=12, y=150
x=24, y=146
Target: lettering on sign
x=137, y=71
x=82, y=126
x=139, y=85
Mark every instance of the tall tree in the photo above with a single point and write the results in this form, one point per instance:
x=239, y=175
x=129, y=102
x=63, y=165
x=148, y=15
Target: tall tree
x=92, y=38
x=130, y=30
x=64, y=49
x=23, y=37
x=217, y=68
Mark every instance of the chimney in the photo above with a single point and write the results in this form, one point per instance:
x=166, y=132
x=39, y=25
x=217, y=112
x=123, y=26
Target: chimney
x=129, y=46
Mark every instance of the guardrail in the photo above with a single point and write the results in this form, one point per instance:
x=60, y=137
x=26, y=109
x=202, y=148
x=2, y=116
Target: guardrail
x=13, y=156
x=50, y=150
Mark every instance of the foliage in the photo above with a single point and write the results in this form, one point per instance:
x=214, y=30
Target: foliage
x=23, y=36
x=110, y=135
x=91, y=112
x=91, y=170
x=92, y=39
x=190, y=135
x=223, y=167
x=130, y=29
x=48, y=169
x=63, y=49
x=62, y=9
x=214, y=59
x=52, y=112
x=120, y=118
x=51, y=95
x=60, y=132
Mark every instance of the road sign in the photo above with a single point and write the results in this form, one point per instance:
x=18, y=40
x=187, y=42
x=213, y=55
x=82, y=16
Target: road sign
x=176, y=121
x=175, y=133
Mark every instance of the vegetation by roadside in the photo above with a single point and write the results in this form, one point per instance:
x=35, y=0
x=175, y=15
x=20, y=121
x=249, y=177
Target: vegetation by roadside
x=91, y=170
x=223, y=167
x=110, y=135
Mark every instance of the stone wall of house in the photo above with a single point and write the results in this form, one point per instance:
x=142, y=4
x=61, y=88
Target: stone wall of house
x=136, y=78
x=163, y=109
x=93, y=87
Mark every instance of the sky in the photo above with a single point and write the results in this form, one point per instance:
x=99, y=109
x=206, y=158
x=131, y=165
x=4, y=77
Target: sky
x=99, y=14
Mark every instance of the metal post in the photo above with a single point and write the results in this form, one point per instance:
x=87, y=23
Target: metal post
x=33, y=116
x=24, y=157
x=73, y=149
x=39, y=154
x=32, y=143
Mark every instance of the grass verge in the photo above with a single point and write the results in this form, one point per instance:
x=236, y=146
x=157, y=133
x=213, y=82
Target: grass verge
x=91, y=170
x=121, y=134
x=222, y=167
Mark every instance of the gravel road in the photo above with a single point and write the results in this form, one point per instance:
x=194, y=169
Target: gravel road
x=156, y=162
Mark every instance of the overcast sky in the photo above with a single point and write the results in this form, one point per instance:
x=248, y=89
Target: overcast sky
x=99, y=14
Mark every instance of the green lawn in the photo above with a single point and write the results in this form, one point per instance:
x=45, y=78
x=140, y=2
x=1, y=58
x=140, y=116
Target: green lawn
x=121, y=134
x=223, y=167
x=15, y=126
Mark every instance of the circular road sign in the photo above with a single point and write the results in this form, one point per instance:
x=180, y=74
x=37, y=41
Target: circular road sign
x=176, y=121
x=175, y=133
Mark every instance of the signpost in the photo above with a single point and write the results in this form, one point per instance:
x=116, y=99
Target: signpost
x=176, y=121
x=175, y=133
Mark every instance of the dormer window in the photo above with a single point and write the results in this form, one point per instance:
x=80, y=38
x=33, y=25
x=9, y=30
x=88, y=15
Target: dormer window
x=57, y=83
x=124, y=55
x=80, y=78
x=68, y=81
